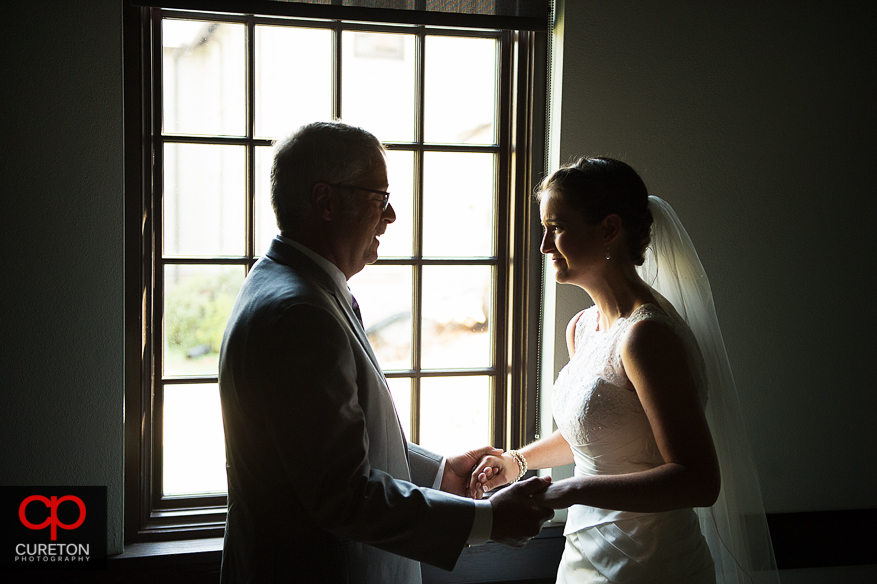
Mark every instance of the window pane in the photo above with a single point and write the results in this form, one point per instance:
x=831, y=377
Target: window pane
x=197, y=303
x=194, y=444
x=456, y=312
x=454, y=413
x=384, y=296
x=378, y=83
x=460, y=93
x=293, y=79
x=266, y=222
x=204, y=200
x=398, y=241
x=401, y=390
x=203, y=77
x=458, y=204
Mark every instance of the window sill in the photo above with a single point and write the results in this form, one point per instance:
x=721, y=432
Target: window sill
x=199, y=560
x=168, y=553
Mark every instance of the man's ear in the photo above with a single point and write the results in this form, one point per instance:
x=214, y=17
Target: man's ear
x=324, y=201
x=611, y=228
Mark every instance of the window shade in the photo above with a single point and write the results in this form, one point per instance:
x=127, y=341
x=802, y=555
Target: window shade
x=495, y=14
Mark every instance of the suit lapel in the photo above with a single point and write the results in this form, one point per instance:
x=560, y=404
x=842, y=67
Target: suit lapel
x=281, y=252
x=288, y=255
x=357, y=328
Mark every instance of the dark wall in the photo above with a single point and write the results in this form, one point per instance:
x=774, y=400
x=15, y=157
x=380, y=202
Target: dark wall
x=755, y=120
x=62, y=239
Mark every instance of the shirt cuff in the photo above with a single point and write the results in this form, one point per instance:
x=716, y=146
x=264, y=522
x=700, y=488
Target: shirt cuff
x=437, y=483
x=483, y=524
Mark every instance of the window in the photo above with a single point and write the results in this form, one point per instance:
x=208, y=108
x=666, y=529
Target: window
x=446, y=305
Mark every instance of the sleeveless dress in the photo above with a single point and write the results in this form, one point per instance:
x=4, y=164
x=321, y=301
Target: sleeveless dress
x=599, y=414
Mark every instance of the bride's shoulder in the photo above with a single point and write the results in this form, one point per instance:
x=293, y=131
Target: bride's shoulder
x=649, y=343
x=576, y=325
x=650, y=325
x=650, y=312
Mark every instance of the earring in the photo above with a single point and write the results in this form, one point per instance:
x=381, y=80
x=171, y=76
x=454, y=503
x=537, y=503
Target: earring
x=608, y=256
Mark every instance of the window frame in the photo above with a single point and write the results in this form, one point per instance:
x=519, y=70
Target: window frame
x=519, y=151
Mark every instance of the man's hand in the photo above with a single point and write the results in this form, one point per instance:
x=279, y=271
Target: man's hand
x=516, y=516
x=458, y=470
x=559, y=495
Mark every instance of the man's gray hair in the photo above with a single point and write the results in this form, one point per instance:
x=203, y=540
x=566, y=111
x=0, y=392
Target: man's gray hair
x=330, y=152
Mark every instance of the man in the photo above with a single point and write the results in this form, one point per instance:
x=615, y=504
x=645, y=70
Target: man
x=322, y=486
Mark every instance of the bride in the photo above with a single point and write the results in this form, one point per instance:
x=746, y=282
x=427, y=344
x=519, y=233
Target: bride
x=646, y=408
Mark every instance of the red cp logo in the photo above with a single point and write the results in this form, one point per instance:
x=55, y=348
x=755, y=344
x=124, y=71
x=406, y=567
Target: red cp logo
x=52, y=506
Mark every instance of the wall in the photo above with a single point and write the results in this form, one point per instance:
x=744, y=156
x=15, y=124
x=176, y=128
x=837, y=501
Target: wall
x=755, y=120
x=61, y=403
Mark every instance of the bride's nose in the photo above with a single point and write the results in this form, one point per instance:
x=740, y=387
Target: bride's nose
x=547, y=245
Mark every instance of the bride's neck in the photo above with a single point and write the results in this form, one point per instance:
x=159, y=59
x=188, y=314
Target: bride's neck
x=618, y=295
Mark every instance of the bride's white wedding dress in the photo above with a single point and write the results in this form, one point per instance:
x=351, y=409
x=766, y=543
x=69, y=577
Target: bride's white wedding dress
x=601, y=417
x=599, y=413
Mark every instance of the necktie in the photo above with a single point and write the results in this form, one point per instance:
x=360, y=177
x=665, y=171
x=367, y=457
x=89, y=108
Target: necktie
x=356, y=310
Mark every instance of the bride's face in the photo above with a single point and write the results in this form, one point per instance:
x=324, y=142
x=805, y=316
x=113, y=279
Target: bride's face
x=574, y=246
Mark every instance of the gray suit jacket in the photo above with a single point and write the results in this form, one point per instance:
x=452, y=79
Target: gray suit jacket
x=319, y=472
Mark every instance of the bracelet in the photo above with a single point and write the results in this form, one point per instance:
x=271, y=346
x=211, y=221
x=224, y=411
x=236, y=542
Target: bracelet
x=522, y=463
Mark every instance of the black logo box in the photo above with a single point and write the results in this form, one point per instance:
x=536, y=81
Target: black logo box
x=90, y=535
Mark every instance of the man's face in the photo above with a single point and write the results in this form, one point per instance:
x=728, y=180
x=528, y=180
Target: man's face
x=360, y=231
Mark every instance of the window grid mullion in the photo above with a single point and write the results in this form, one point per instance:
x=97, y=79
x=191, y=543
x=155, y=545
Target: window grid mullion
x=337, y=71
x=417, y=284
x=421, y=261
x=206, y=261
x=218, y=140
x=191, y=379
x=423, y=373
x=439, y=147
x=250, y=229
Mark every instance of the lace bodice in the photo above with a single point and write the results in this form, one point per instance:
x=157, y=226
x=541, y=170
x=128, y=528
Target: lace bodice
x=598, y=410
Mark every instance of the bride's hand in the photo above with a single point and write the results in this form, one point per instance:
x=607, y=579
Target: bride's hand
x=492, y=472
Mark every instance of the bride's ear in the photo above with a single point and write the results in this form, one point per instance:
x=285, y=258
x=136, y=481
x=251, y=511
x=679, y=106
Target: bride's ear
x=611, y=226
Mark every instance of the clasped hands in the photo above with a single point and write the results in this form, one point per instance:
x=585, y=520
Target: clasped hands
x=518, y=511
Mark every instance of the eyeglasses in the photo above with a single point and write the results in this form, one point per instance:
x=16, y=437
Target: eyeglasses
x=384, y=204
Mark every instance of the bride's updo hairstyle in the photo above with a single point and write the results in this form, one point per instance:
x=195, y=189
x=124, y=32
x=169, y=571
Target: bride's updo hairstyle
x=603, y=186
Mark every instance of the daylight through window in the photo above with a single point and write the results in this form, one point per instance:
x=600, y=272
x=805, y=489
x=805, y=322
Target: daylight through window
x=428, y=304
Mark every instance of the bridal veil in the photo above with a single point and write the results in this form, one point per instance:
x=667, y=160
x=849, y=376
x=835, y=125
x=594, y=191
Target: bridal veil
x=735, y=526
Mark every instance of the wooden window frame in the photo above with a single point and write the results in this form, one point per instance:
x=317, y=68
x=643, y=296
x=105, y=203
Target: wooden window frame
x=148, y=515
